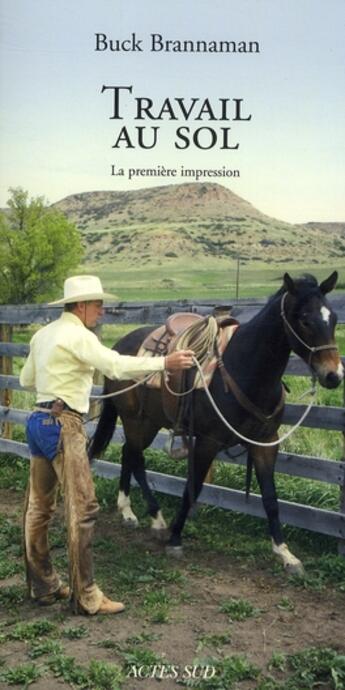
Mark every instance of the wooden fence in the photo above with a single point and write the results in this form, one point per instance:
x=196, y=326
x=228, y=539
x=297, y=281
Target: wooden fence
x=327, y=522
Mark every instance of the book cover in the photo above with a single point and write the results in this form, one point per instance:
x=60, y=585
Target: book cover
x=199, y=148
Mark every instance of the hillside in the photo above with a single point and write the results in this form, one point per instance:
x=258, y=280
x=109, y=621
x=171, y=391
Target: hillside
x=338, y=228
x=193, y=221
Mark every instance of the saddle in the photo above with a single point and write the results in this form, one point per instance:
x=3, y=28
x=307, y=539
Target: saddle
x=208, y=337
x=158, y=341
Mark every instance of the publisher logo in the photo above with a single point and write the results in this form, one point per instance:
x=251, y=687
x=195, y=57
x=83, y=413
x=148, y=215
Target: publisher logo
x=172, y=672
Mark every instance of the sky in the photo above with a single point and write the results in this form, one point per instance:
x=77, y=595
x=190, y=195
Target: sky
x=57, y=135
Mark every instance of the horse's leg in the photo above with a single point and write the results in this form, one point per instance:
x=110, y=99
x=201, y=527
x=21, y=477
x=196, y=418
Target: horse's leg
x=204, y=452
x=264, y=462
x=138, y=437
x=123, y=500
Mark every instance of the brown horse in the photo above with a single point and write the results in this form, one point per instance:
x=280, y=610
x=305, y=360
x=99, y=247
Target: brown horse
x=297, y=318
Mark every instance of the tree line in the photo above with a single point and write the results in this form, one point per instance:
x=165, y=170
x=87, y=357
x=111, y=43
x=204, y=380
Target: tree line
x=39, y=247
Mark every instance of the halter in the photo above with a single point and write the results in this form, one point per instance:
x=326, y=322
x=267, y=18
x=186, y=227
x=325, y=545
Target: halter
x=311, y=350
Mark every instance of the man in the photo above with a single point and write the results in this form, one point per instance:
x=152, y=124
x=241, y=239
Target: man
x=60, y=366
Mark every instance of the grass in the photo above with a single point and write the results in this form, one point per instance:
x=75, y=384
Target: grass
x=306, y=670
x=75, y=632
x=238, y=609
x=156, y=605
x=23, y=674
x=12, y=596
x=41, y=647
x=213, y=640
x=97, y=675
x=140, y=657
x=31, y=631
x=221, y=674
x=153, y=587
x=217, y=278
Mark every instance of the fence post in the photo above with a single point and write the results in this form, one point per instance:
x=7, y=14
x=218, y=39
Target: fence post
x=6, y=367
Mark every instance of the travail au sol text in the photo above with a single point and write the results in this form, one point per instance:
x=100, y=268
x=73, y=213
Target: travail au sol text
x=175, y=109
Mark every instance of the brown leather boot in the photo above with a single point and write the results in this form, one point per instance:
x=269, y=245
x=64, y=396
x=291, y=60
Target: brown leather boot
x=109, y=606
x=61, y=594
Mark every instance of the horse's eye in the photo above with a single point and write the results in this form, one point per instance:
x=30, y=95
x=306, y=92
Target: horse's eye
x=305, y=322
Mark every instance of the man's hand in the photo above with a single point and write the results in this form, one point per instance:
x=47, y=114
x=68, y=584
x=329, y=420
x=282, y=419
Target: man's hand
x=181, y=359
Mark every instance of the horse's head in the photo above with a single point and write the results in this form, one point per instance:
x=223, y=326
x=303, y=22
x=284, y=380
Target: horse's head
x=309, y=323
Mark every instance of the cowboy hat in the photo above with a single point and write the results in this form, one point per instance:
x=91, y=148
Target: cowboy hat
x=83, y=289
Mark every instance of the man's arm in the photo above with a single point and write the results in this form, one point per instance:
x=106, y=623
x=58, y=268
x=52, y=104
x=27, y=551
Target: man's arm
x=124, y=367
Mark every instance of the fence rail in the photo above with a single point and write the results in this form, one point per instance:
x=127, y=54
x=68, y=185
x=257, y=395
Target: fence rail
x=331, y=418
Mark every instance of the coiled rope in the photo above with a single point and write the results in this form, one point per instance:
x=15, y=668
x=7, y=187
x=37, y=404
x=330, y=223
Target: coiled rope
x=201, y=338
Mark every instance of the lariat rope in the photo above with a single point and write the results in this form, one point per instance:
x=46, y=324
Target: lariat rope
x=237, y=433
x=203, y=340
x=203, y=347
x=123, y=390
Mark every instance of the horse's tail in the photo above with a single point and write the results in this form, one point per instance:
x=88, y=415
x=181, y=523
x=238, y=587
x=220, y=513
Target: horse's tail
x=104, y=430
x=249, y=473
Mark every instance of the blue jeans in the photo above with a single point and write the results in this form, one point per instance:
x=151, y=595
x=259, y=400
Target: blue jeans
x=43, y=434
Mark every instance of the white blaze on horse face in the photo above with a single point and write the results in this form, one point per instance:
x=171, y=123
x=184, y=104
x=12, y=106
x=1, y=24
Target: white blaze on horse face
x=340, y=371
x=124, y=507
x=325, y=313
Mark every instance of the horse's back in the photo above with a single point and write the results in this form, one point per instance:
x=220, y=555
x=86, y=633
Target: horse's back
x=130, y=343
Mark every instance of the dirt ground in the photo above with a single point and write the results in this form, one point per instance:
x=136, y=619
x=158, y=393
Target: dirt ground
x=289, y=618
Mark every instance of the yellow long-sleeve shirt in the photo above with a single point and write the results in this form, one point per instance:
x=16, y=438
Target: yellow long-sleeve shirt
x=63, y=357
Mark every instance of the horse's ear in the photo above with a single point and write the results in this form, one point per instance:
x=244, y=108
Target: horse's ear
x=289, y=285
x=329, y=284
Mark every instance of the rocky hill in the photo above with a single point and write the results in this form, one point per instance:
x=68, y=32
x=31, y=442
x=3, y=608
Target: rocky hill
x=193, y=221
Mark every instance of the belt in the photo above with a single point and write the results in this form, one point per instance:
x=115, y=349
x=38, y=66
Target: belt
x=63, y=406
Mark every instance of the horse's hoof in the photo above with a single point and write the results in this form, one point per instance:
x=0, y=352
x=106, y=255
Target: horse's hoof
x=295, y=569
x=159, y=534
x=130, y=524
x=174, y=551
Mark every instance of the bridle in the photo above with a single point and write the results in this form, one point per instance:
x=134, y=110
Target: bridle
x=311, y=349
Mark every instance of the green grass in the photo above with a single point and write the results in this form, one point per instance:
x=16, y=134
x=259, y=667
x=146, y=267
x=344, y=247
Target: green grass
x=216, y=280
x=14, y=472
x=65, y=667
x=238, y=609
x=213, y=640
x=156, y=605
x=23, y=674
x=140, y=657
x=103, y=675
x=41, y=647
x=221, y=674
x=76, y=632
x=12, y=596
x=306, y=670
x=30, y=631
x=285, y=604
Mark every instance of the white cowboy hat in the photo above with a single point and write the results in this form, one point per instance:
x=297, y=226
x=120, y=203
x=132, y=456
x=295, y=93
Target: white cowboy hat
x=83, y=289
